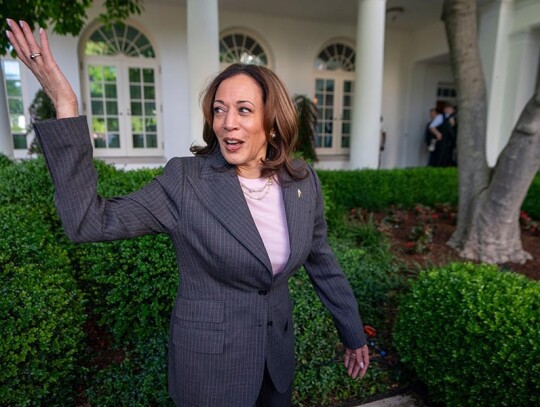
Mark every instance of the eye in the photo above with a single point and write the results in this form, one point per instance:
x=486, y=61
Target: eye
x=244, y=110
x=218, y=110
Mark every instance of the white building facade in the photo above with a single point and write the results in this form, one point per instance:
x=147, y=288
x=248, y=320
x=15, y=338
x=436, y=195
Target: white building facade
x=360, y=60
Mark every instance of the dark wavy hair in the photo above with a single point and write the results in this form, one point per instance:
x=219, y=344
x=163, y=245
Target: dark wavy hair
x=279, y=118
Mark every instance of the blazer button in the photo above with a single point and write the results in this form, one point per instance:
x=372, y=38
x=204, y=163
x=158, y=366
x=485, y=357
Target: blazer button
x=263, y=292
x=269, y=324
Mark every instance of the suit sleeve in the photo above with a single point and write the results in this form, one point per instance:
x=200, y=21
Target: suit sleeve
x=329, y=281
x=87, y=217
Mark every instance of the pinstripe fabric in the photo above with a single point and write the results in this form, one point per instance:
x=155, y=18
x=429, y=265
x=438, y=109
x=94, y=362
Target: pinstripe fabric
x=220, y=332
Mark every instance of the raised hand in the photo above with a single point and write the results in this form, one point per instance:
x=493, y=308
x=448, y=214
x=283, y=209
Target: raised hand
x=38, y=58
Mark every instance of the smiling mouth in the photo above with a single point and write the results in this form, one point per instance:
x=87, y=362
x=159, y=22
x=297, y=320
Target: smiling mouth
x=233, y=142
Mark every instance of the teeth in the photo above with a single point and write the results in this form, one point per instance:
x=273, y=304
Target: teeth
x=232, y=142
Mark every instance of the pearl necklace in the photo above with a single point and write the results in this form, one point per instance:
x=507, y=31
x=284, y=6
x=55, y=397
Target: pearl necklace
x=257, y=193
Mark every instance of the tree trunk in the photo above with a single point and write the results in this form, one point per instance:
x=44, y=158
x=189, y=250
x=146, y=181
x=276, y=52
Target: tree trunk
x=460, y=18
x=497, y=238
x=489, y=201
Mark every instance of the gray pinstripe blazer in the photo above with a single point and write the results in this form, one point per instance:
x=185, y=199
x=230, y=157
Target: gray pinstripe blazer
x=230, y=314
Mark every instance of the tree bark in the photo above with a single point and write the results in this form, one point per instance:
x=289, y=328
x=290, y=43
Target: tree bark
x=497, y=238
x=489, y=200
x=460, y=18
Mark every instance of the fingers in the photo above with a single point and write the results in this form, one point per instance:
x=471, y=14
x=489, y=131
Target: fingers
x=23, y=41
x=33, y=46
x=45, y=49
x=357, y=361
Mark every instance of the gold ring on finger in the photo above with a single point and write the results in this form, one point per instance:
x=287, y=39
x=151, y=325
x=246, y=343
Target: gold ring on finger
x=34, y=55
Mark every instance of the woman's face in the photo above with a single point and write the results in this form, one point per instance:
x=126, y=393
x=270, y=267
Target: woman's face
x=239, y=124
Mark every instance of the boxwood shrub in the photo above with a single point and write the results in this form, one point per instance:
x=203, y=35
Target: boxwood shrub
x=378, y=189
x=41, y=314
x=472, y=334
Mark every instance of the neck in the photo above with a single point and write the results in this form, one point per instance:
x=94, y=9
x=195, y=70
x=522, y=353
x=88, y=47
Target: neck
x=248, y=172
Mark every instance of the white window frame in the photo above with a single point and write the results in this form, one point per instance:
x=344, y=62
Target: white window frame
x=123, y=63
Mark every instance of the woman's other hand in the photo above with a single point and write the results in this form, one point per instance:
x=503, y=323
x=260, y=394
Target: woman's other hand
x=38, y=58
x=357, y=361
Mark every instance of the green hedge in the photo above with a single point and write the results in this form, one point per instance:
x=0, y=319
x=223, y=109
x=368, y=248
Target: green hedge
x=472, y=334
x=378, y=189
x=41, y=314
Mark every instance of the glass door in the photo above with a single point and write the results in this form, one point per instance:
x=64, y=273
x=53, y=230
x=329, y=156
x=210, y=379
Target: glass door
x=334, y=96
x=123, y=108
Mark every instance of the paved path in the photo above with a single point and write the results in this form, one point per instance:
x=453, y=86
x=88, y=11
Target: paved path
x=395, y=401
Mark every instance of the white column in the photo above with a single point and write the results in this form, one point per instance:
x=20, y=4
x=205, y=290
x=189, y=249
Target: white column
x=203, y=56
x=494, y=47
x=6, y=140
x=368, y=84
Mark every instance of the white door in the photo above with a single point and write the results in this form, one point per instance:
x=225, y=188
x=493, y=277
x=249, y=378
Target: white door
x=334, y=94
x=123, y=107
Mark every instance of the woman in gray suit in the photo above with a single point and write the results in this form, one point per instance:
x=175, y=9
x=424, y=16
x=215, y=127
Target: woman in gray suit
x=243, y=217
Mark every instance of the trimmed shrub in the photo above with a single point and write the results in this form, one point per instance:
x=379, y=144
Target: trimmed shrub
x=377, y=189
x=472, y=334
x=140, y=380
x=320, y=376
x=41, y=314
x=132, y=285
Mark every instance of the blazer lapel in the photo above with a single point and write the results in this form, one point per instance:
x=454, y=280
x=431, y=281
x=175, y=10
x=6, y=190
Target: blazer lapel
x=220, y=192
x=296, y=198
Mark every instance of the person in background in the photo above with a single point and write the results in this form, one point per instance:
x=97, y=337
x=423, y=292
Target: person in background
x=243, y=217
x=442, y=131
x=429, y=138
x=382, y=142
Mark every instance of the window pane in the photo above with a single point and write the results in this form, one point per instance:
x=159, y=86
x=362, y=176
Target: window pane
x=112, y=124
x=19, y=141
x=109, y=73
x=151, y=141
x=138, y=141
x=96, y=90
x=148, y=75
x=136, y=109
x=329, y=100
x=95, y=73
x=112, y=108
x=135, y=92
x=114, y=140
x=137, y=124
x=97, y=107
x=149, y=92
x=150, y=109
x=98, y=125
x=134, y=75
x=150, y=125
x=110, y=91
x=16, y=106
x=13, y=88
x=330, y=86
x=99, y=141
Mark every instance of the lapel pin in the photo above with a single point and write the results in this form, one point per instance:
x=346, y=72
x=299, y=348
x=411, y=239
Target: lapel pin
x=299, y=194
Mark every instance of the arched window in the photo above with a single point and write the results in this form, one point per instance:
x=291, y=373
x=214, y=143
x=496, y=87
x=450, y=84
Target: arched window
x=122, y=92
x=336, y=56
x=240, y=47
x=119, y=39
x=334, y=92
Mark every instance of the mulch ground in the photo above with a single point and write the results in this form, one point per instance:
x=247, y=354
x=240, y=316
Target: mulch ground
x=438, y=252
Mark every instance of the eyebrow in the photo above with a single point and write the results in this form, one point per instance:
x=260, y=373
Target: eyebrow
x=238, y=102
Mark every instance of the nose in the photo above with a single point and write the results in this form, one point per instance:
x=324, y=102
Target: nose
x=230, y=121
